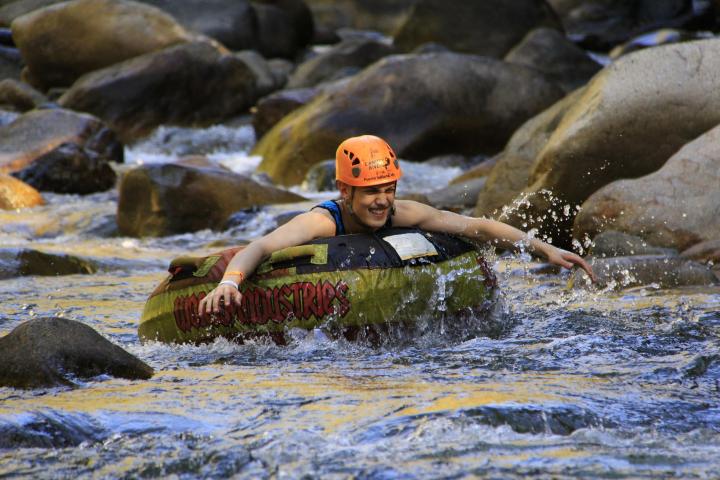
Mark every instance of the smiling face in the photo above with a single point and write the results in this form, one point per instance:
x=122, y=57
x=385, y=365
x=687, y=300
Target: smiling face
x=370, y=205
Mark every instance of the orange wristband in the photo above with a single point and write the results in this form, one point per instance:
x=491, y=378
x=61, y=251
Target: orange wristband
x=236, y=273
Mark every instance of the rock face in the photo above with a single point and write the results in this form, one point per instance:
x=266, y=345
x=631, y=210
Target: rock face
x=344, y=59
x=677, y=206
x=45, y=352
x=423, y=105
x=514, y=164
x=59, y=43
x=168, y=199
x=621, y=127
x=234, y=24
x=60, y=150
x=20, y=262
x=547, y=50
x=191, y=84
x=490, y=28
x=15, y=194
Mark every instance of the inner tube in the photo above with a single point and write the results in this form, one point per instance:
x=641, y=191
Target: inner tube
x=345, y=283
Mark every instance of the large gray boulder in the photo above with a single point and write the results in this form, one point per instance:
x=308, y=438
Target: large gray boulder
x=61, y=42
x=489, y=27
x=678, y=206
x=168, y=199
x=16, y=262
x=19, y=96
x=423, y=105
x=232, y=23
x=60, y=150
x=548, y=51
x=344, y=59
x=192, y=84
x=632, y=117
x=514, y=165
x=48, y=352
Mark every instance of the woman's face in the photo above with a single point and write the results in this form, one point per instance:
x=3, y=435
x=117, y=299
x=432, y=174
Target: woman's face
x=372, y=205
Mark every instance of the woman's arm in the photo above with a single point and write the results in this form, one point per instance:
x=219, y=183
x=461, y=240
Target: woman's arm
x=483, y=229
x=301, y=229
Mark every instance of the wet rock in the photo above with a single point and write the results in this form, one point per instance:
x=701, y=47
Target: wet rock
x=281, y=69
x=458, y=104
x=633, y=271
x=617, y=244
x=342, y=60
x=16, y=262
x=274, y=107
x=234, y=24
x=20, y=96
x=10, y=67
x=50, y=429
x=529, y=419
x=15, y=194
x=191, y=84
x=621, y=127
x=95, y=34
x=457, y=196
x=48, y=352
x=548, y=51
x=513, y=166
x=59, y=139
x=321, y=177
x=489, y=28
x=168, y=199
x=284, y=27
x=678, y=206
x=704, y=252
x=69, y=168
x=602, y=24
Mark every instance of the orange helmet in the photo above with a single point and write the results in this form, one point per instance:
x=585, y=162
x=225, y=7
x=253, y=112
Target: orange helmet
x=365, y=161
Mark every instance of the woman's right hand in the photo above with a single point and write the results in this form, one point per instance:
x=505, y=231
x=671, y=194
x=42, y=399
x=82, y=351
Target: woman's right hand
x=218, y=298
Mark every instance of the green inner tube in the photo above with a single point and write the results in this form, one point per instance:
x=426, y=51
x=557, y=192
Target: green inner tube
x=345, y=283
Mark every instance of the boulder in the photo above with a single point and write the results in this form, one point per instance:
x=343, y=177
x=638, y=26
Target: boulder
x=633, y=271
x=15, y=194
x=285, y=27
x=621, y=128
x=69, y=168
x=664, y=36
x=232, y=23
x=15, y=262
x=39, y=133
x=601, y=24
x=49, y=352
x=20, y=96
x=480, y=170
x=457, y=196
x=513, y=166
x=167, y=199
x=611, y=243
x=490, y=28
x=267, y=79
x=321, y=177
x=192, y=84
x=548, y=51
x=342, y=60
x=61, y=42
x=423, y=105
x=678, y=206
x=274, y=107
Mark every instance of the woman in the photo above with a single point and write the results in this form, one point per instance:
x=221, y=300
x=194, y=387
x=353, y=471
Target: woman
x=367, y=172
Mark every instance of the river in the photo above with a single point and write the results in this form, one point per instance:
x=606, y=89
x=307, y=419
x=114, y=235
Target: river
x=601, y=384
